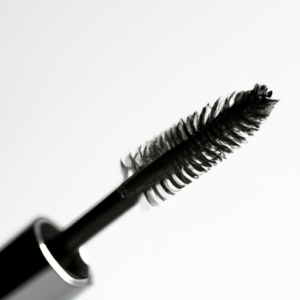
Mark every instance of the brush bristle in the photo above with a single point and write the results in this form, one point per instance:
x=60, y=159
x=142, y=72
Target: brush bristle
x=191, y=147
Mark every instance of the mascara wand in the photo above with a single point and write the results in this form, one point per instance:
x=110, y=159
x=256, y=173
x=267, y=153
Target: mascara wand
x=161, y=167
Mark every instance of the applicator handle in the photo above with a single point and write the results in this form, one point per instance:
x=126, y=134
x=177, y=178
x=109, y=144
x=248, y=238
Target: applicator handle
x=28, y=270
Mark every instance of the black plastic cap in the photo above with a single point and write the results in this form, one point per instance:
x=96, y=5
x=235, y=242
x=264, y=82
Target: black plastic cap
x=29, y=271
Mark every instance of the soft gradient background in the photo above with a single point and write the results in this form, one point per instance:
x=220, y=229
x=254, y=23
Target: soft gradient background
x=84, y=82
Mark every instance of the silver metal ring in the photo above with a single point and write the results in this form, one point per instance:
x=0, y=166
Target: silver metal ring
x=61, y=272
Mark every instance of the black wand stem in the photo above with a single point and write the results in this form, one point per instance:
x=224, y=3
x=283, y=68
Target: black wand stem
x=91, y=223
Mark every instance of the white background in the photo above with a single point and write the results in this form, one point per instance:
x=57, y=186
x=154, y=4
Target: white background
x=84, y=82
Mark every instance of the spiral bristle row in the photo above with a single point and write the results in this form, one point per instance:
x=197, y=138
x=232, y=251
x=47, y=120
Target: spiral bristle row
x=202, y=140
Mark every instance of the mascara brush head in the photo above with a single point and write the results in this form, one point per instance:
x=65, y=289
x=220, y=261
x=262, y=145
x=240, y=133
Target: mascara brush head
x=192, y=146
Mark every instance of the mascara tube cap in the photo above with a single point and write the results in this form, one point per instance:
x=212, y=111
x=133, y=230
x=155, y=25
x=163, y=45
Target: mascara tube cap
x=28, y=270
